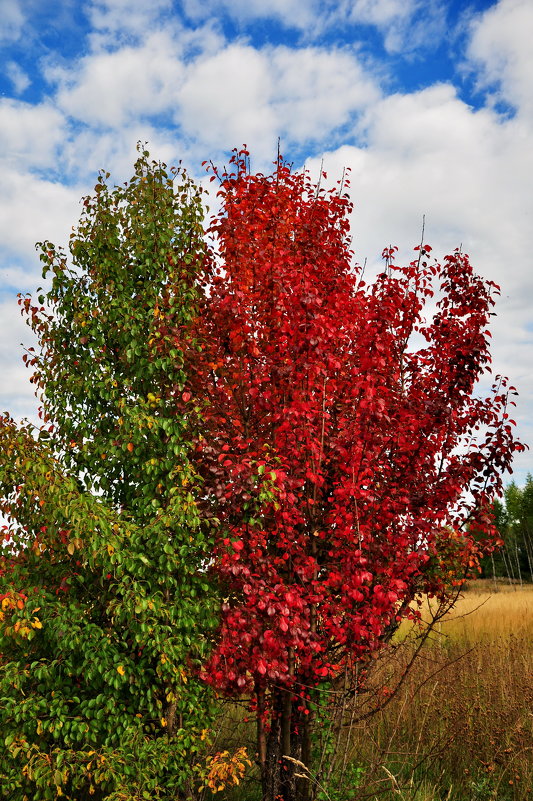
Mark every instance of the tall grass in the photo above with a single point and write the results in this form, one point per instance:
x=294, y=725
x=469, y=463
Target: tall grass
x=461, y=725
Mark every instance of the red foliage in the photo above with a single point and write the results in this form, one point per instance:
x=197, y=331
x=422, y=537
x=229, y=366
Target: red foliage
x=345, y=454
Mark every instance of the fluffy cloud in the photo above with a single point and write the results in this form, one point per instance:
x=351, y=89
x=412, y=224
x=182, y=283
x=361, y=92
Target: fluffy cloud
x=243, y=94
x=17, y=395
x=33, y=209
x=13, y=20
x=17, y=76
x=112, y=88
x=218, y=97
x=501, y=50
x=125, y=18
x=30, y=134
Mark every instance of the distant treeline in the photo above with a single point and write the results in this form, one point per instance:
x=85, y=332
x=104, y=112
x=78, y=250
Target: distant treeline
x=514, y=519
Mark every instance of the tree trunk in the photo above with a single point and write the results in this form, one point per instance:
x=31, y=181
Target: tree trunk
x=285, y=739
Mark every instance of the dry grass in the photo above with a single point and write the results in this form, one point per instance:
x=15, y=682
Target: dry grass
x=486, y=613
x=460, y=727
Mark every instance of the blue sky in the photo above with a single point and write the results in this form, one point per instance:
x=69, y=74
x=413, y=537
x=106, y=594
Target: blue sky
x=428, y=102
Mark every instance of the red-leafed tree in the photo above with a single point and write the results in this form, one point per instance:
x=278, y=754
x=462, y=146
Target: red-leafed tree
x=345, y=455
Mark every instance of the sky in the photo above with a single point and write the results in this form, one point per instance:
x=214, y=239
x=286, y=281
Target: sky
x=429, y=103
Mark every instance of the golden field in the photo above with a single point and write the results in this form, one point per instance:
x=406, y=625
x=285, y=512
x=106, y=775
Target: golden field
x=461, y=725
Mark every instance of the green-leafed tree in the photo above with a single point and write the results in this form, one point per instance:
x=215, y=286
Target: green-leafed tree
x=105, y=606
x=514, y=520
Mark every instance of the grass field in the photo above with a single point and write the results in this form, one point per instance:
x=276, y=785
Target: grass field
x=460, y=727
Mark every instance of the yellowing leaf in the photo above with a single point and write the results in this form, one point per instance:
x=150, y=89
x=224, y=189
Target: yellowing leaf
x=36, y=623
x=110, y=550
x=121, y=670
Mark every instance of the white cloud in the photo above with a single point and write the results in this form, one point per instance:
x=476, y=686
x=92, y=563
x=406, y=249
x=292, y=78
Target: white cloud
x=501, y=48
x=13, y=20
x=17, y=76
x=33, y=209
x=241, y=94
x=111, y=88
x=16, y=392
x=30, y=134
x=467, y=171
x=134, y=17
x=219, y=98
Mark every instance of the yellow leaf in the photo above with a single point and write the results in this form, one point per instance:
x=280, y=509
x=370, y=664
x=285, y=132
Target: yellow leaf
x=121, y=670
x=163, y=721
x=71, y=548
x=36, y=623
x=110, y=550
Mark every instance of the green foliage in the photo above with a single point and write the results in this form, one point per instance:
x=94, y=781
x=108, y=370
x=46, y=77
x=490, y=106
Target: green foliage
x=514, y=520
x=106, y=609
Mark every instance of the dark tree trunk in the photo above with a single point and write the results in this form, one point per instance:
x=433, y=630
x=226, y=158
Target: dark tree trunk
x=285, y=739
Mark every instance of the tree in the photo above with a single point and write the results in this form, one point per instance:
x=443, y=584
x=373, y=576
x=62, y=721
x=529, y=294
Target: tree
x=340, y=450
x=514, y=521
x=106, y=611
x=247, y=427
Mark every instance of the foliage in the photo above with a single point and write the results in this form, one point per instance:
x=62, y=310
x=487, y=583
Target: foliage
x=106, y=609
x=514, y=520
x=251, y=419
x=224, y=769
x=340, y=447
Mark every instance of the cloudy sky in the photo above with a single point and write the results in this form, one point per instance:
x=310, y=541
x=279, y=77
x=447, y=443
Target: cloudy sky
x=429, y=102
